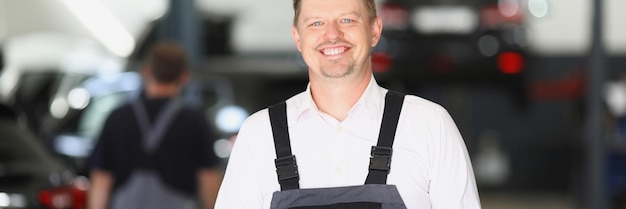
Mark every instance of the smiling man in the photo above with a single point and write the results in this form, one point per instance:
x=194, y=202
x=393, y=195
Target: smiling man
x=346, y=142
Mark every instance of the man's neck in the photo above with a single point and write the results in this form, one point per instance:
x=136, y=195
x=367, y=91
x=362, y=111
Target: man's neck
x=336, y=98
x=162, y=90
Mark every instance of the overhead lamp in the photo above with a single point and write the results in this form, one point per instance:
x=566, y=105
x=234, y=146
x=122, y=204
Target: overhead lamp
x=103, y=25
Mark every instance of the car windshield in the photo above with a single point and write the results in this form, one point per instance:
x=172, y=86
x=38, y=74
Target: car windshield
x=96, y=113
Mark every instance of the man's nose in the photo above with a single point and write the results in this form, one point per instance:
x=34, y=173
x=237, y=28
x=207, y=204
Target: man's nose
x=333, y=31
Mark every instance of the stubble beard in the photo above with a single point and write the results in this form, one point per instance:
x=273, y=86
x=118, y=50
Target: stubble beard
x=336, y=69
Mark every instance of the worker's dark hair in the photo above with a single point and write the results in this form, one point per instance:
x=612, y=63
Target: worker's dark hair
x=168, y=61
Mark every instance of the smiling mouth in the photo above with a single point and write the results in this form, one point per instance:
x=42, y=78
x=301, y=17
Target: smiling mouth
x=333, y=51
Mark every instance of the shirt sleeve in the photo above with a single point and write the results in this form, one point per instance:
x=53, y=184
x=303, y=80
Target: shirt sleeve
x=100, y=155
x=452, y=182
x=206, y=138
x=240, y=187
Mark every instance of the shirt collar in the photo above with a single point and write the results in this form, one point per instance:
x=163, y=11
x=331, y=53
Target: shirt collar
x=370, y=102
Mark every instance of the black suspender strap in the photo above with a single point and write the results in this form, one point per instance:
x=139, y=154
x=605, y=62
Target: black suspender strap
x=286, y=166
x=380, y=159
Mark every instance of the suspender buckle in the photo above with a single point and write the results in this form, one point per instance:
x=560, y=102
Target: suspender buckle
x=380, y=158
x=286, y=167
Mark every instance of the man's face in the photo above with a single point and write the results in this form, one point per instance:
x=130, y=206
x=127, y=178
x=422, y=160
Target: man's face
x=336, y=36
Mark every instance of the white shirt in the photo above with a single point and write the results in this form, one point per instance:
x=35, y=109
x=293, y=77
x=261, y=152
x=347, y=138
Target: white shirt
x=430, y=165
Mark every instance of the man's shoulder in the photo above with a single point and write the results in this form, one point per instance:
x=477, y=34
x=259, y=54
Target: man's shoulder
x=122, y=110
x=291, y=102
x=261, y=119
x=191, y=111
x=416, y=103
x=259, y=116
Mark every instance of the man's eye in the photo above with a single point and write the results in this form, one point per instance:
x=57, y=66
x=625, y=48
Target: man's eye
x=318, y=23
x=346, y=20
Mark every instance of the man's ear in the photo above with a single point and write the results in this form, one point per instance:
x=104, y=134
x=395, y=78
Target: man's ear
x=296, y=37
x=377, y=30
x=146, y=72
x=184, y=77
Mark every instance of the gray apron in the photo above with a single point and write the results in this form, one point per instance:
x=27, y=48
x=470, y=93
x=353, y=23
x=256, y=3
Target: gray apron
x=145, y=188
x=375, y=194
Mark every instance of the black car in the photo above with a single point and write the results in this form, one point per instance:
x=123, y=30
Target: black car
x=452, y=41
x=30, y=175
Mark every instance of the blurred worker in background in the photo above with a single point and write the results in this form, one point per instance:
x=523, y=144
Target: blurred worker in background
x=342, y=131
x=154, y=152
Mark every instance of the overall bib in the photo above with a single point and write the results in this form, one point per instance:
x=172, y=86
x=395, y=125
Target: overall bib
x=375, y=194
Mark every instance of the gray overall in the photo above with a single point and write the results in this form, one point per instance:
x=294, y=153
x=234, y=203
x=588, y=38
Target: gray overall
x=375, y=194
x=144, y=188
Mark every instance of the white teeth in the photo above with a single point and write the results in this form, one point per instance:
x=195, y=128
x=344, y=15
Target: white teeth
x=333, y=51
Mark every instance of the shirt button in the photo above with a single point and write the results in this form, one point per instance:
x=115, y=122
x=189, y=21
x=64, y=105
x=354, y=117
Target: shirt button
x=338, y=169
x=340, y=128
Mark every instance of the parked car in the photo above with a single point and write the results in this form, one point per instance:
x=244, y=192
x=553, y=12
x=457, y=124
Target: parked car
x=38, y=66
x=475, y=42
x=30, y=175
x=89, y=104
